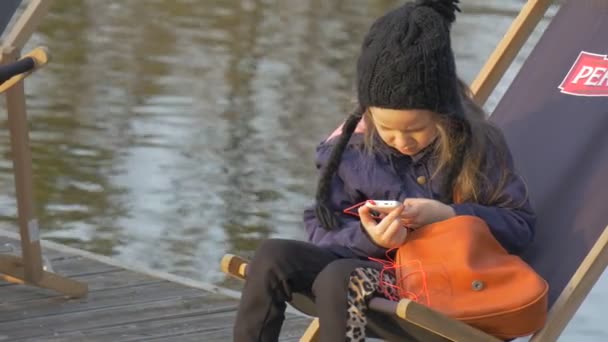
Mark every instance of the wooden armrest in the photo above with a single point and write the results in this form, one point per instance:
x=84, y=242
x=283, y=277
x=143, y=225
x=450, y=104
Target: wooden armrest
x=431, y=320
x=39, y=56
x=234, y=265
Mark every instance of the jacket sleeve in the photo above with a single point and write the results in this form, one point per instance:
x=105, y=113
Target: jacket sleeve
x=512, y=224
x=350, y=239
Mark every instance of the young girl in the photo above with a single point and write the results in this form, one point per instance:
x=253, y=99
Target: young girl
x=416, y=137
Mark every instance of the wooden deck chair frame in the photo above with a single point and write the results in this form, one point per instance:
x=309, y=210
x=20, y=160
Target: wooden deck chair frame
x=28, y=268
x=439, y=326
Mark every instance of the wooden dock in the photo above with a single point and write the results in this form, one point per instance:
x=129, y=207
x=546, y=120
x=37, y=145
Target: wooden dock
x=125, y=303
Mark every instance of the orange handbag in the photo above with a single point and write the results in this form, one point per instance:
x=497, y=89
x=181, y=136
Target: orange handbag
x=458, y=268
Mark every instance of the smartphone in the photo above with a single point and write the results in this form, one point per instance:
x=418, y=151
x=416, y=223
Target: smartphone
x=383, y=207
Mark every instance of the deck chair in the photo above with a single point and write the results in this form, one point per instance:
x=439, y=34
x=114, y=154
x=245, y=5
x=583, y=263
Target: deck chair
x=13, y=70
x=555, y=118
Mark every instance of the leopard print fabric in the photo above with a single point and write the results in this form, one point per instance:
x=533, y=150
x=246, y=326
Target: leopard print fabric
x=363, y=285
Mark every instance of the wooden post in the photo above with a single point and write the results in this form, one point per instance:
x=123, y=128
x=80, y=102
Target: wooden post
x=507, y=49
x=22, y=168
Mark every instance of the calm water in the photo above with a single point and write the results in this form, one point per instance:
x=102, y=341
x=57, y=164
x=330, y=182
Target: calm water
x=169, y=132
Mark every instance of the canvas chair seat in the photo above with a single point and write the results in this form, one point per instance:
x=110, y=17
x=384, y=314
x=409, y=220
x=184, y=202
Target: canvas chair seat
x=555, y=117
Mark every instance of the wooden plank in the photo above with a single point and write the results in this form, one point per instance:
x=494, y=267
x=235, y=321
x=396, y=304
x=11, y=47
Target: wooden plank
x=293, y=328
x=161, y=327
x=292, y=331
x=132, y=313
x=212, y=323
x=507, y=49
x=112, y=300
x=97, y=282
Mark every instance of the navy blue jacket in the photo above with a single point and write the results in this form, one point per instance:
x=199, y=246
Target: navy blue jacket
x=390, y=175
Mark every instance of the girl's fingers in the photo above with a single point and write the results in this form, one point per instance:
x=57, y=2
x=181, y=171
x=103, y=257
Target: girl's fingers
x=390, y=223
x=378, y=231
x=393, y=230
x=393, y=216
x=366, y=216
x=394, y=213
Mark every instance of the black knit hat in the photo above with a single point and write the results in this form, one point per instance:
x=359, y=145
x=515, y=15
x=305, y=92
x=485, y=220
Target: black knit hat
x=406, y=62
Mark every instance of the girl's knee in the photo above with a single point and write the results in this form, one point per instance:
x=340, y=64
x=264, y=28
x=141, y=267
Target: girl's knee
x=270, y=251
x=334, y=277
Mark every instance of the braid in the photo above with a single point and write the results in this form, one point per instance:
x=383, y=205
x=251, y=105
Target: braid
x=324, y=213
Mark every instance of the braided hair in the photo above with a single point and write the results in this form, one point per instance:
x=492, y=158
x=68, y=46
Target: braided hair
x=324, y=213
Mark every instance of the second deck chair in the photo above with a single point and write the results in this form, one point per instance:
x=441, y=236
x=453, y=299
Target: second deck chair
x=29, y=267
x=555, y=118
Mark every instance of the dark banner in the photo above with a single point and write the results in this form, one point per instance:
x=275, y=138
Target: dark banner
x=555, y=118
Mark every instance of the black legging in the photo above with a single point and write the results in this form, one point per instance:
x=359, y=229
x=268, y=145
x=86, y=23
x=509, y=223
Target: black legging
x=281, y=267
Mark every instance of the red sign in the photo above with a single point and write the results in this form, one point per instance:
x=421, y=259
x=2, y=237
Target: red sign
x=588, y=76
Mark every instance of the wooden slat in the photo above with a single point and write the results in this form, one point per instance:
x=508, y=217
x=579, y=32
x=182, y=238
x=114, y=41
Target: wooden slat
x=114, y=299
x=506, y=51
x=115, y=309
x=118, y=279
x=293, y=328
x=197, y=323
x=197, y=327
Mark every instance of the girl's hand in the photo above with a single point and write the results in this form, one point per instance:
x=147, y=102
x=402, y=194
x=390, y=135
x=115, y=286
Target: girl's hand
x=419, y=212
x=389, y=232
